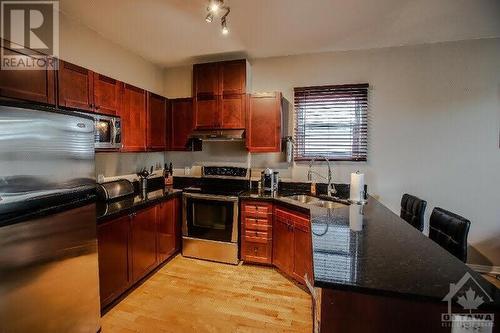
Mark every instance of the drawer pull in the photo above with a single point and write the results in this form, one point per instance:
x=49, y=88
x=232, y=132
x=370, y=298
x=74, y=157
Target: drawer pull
x=255, y=249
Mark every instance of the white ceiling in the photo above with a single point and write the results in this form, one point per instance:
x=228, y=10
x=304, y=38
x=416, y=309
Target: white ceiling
x=174, y=32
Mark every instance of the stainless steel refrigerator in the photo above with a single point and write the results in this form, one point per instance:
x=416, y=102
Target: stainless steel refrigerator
x=49, y=279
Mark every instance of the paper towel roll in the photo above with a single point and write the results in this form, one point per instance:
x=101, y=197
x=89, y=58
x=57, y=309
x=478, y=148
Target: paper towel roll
x=357, y=186
x=355, y=217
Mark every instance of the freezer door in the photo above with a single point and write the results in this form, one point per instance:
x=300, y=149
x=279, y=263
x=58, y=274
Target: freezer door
x=43, y=154
x=49, y=279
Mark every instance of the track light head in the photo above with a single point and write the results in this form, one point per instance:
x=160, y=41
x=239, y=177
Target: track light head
x=209, y=18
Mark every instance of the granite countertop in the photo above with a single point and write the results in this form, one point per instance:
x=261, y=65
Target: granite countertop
x=107, y=210
x=386, y=256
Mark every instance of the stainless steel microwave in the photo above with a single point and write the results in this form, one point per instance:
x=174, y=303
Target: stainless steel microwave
x=108, y=132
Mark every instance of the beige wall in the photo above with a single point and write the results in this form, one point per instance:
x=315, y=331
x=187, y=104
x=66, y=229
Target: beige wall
x=434, y=125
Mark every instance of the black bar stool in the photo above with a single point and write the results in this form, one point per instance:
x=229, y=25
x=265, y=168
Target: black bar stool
x=450, y=231
x=412, y=210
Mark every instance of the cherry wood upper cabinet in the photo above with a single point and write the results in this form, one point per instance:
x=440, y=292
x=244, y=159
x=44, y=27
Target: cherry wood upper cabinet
x=219, y=90
x=181, y=122
x=113, y=246
x=157, y=122
x=143, y=242
x=233, y=77
x=107, y=94
x=206, y=79
x=133, y=115
x=29, y=85
x=264, y=123
x=75, y=85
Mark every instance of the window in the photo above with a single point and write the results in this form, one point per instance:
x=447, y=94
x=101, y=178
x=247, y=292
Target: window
x=332, y=122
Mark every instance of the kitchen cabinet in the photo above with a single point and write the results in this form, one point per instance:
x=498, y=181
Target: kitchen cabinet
x=283, y=241
x=264, y=123
x=133, y=115
x=292, y=245
x=256, y=231
x=181, y=123
x=156, y=122
x=168, y=227
x=107, y=94
x=143, y=242
x=28, y=85
x=132, y=246
x=219, y=90
x=75, y=86
x=113, y=249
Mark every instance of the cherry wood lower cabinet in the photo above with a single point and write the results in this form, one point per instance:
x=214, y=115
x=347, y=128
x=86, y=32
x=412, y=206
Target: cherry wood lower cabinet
x=256, y=232
x=276, y=235
x=143, y=242
x=168, y=217
x=132, y=246
x=292, y=244
x=113, y=248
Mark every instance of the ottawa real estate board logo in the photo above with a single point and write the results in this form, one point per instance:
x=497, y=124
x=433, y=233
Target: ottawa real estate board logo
x=29, y=35
x=468, y=294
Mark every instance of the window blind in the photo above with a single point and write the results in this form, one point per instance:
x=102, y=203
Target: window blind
x=331, y=121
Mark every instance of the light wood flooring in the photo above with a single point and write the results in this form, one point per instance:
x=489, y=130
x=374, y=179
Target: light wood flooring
x=189, y=295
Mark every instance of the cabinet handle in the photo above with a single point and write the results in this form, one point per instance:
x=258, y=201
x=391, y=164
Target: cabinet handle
x=255, y=249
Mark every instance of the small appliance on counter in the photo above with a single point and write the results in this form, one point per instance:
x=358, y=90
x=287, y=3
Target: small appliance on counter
x=269, y=180
x=115, y=189
x=168, y=174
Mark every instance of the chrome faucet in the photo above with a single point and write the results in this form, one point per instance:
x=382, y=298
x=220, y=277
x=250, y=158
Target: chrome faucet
x=331, y=191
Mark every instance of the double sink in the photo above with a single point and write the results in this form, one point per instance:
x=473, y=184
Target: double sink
x=318, y=202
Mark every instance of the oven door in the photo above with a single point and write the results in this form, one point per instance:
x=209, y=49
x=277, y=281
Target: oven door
x=107, y=132
x=210, y=217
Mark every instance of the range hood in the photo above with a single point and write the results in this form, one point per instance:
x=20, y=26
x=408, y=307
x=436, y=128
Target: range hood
x=218, y=135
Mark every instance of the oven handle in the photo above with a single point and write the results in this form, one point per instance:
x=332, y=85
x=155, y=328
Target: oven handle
x=211, y=197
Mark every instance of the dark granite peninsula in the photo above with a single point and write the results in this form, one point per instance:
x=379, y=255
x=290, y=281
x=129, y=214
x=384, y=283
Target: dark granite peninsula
x=379, y=274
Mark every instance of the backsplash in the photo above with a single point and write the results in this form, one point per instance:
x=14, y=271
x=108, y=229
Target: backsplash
x=111, y=165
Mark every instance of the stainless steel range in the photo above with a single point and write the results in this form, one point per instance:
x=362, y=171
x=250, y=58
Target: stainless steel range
x=210, y=215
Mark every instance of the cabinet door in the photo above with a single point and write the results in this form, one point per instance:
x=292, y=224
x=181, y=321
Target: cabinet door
x=181, y=124
x=107, y=94
x=143, y=242
x=264, y=123
x=233, y=111
x=166, y=229
x=206, y=79
x=75, y=85
x=157, y=122
x=302, y=260
x=233, y=77
x=113, y=245
x=29, y=85
x=283, y=244
x=133, y=114
x=207, y=111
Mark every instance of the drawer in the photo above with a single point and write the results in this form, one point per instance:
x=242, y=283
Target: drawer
x=257, y=252
x=257, y=208
x=249, y=225
x=258, y=221
x=252, y=239
x=257, y=234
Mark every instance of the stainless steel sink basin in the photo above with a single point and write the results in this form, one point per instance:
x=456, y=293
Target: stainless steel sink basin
x=302, y=198
x=328, y=204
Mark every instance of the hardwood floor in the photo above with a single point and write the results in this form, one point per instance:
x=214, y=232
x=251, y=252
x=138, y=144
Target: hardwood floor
x=189, y=295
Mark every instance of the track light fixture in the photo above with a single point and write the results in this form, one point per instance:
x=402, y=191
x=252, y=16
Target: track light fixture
x=213, y=8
